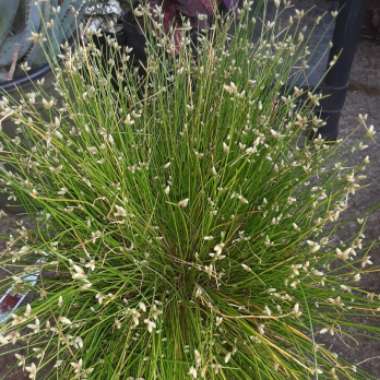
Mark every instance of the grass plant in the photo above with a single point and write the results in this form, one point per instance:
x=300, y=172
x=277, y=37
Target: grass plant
x=184, y=226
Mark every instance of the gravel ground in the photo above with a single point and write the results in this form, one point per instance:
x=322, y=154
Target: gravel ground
x=363, y=97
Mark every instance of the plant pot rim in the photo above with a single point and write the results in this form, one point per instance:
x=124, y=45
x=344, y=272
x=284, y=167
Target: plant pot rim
x=32, y=76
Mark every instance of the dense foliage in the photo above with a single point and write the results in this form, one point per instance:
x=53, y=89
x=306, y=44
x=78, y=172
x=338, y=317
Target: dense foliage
x=183, y=223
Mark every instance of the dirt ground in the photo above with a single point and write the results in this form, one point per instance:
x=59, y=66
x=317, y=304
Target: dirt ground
x=363, y=97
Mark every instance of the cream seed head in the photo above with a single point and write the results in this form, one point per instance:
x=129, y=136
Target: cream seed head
x=150, y=325
x=78, y=273
x=366, y=261
x=77, y=366
x=343, y=255
x=193, y=372
x=28, y=311
x=315, y=247
x=183, y=203
x=227, y=358
x=371, y=131
x=37, y=38
x=65, y=321
x=32, y=371
x=21, y=360
x=231, y=88
x=142, y=307
x=246, y=267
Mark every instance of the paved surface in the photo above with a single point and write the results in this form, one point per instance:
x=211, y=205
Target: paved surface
x=364, y=97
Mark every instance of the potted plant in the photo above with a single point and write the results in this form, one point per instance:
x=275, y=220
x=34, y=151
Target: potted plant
x=182, y=225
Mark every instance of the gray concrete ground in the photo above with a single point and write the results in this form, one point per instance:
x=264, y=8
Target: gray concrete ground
x=364, y=97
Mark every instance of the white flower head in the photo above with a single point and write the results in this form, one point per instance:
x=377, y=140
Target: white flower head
x=246, y=267
x=183, y=203
x=77, y=366
x=193, y=372
x=142, y=306
x=65, y=321
x=21, y=360
x=28, y=311
x=230, y=88
x=315, y=247
x=150, y=325
x=78, y=273
x=32, y=371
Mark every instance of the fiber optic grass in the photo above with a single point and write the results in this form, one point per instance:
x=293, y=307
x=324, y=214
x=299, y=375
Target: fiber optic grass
x=184, y=225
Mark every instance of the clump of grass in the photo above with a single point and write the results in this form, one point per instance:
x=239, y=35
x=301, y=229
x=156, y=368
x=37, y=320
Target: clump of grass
x=183, y=224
